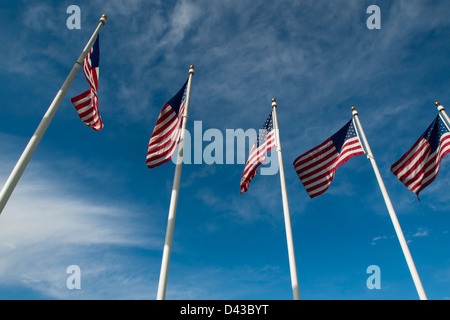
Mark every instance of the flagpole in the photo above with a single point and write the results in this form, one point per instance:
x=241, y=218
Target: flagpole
x=22, y=163
x=387, y=200
x=287, y=219
x=442, y=111
x=161, y=294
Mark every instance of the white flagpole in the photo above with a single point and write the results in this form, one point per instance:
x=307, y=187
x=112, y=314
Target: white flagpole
x=287, y=219
x=161, y=294
x=387, y=200
x=442, y=111
x=22, y=163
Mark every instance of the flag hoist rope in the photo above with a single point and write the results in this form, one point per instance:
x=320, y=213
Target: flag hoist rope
x=387, y=200
x=22, y=163
x=287, y=219
x=161, y=294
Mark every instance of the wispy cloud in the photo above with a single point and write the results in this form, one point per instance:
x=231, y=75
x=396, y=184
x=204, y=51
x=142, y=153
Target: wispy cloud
x=316, y=57
x=375, y=240
x=421, y=233
x=46, y=227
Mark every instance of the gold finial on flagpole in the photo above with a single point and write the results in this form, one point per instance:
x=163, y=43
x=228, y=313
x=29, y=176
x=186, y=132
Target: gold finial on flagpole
x=442, y=112
x=103, y=19
x=439, y=106
x=274, y=102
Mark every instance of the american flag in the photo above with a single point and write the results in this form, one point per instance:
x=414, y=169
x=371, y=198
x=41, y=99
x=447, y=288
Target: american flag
x=257, y=156
x=87, y=102
x=317, y=167
x=166, y=134
x=420, y=165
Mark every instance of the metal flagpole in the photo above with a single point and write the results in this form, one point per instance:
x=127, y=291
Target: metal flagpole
x=174, y=199
x=18, y=170
x=387, y=200
x=442, y=111
x=287, y=219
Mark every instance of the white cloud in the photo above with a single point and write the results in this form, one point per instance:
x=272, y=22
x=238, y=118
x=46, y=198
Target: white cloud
x=45, y=227
x=376, y=239
x=421, y=233
x=40, y=17
x=184, y=13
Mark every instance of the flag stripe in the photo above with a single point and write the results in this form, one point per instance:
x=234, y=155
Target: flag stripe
x=162, y=134
x=321, y=150
x=163, y=147
x=166, y=133
x=86, y=103
x=323, y=168
x=429, y=171
x=316, y=168
x=258, y=153
x=419, y=166
x=258, y=157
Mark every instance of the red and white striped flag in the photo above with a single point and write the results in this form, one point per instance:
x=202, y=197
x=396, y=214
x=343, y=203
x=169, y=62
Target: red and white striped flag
x=166, y=134
x=420, y=165
x=316, y=168
x=257, y=156
x=87, y=102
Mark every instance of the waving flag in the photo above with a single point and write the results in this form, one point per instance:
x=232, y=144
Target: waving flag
x=166, y=134
x=316, y=168
x=420, y=165
x=257, y=156
x=87, y=102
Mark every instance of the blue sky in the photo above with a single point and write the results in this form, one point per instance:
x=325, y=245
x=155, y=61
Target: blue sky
x=88, y=199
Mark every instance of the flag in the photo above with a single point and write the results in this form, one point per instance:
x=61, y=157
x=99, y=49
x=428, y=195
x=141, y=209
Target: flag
x=87, y=102
x=257, y=156
x=166, y=134
x=417, y=168
x=317, y=167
